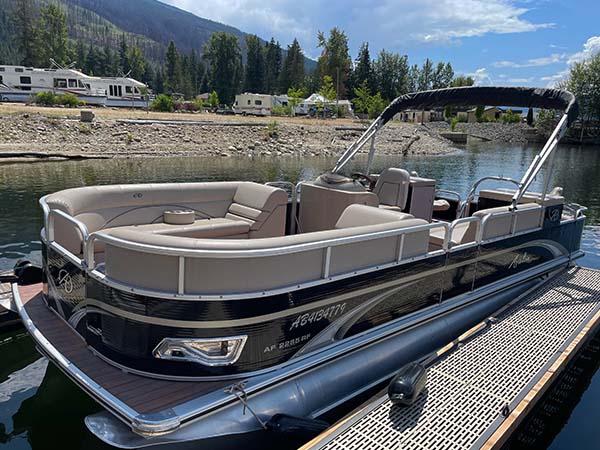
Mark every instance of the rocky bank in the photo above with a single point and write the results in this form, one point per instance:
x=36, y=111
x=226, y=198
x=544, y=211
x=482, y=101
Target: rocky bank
x=37, y=135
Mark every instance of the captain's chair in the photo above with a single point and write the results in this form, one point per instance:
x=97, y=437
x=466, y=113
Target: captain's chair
x=392, y=188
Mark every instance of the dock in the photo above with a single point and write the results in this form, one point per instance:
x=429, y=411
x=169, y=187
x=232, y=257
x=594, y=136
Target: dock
x=482, y=386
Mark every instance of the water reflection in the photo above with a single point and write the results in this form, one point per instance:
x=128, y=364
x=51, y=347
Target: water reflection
x=50, y=408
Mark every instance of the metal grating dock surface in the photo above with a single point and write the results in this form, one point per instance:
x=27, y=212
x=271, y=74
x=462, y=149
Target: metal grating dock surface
x=472, y=389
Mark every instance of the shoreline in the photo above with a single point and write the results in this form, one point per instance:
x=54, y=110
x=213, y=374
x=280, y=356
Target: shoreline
x=33, y=133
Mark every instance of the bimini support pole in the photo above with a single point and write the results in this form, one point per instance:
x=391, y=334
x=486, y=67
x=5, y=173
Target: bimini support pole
x=539, y=160
x=357, y=145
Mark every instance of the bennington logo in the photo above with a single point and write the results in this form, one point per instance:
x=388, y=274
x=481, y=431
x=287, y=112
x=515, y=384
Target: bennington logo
x=65, y=281
x=520, y=259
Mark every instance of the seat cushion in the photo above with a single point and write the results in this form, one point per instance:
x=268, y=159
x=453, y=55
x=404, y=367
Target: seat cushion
x=363, y=215
x=203, y=228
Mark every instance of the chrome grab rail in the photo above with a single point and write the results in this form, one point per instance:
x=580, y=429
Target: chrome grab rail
x=576, y=209
x=326, y=244
x=464, y=209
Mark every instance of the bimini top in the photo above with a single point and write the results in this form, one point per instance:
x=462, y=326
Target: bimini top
x=470, y=96
x=489, y=96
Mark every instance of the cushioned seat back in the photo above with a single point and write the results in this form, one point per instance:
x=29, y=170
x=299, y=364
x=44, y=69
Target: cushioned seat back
x=528, y=216
x=392, y=187
x=263, y=207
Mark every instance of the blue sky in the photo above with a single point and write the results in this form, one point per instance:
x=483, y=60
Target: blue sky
x=501, y=42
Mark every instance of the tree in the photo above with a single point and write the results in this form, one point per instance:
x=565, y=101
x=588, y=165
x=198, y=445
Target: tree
x=335, y=59
x=391, y=74
x=376, y=106
x=413, y=78
x=52, y=35
x=584, y=82
x=137, y=62
x=204, y=83
x=272, y=67
x=479, y=112
x=363, y=70
x=24, y=17
x=292, y=72
x=173, y=69
x=295, y=98
x=223, y=53
x=362, y=97
x=213, y=99
x=123, y=56
x=254, y=79
x=530, y=117
x=462, y=80
x=443, y=75
x=426, y=76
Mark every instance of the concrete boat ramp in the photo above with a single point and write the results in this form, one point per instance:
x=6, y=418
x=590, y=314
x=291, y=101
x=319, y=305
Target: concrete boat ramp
x=481, y=387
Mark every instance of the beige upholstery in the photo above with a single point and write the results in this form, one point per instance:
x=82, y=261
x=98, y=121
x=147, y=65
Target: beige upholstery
x=203, y=228
x=261, y=207
x=321, y=207
x=237, y=275
x=529, y=197
x=527, y=216
x=362, y=215
x=392, y=187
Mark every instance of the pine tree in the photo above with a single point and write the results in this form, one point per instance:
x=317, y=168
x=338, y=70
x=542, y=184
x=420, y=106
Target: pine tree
x=223, y=53
x=24, y=16
x=272, y=67
x=52, y=35
x=204, y=86
x=255, y=65
x=292, y=72
x=173, y=69
x=335, y=58
x=123, y=51
x=426, y=76
x=363, y=70
x=137, y=62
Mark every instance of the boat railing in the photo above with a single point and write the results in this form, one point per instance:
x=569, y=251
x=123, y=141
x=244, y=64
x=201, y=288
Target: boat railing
x=466, y=204
x=327, y=245
x=52, y=214
x=514, y=217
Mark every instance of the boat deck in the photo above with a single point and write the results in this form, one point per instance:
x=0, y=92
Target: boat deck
x=143, y=395
x=480, y=389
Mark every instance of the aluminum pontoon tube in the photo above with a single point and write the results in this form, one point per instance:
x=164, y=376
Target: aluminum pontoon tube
x=312, y=393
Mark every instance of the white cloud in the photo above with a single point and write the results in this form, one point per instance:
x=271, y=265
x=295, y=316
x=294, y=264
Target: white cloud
x=520, y=80
x=554, y=58
x=482, y=77
x=396, y=22
x=590, y=48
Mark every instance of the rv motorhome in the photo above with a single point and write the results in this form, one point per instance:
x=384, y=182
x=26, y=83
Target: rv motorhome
x=20, y=83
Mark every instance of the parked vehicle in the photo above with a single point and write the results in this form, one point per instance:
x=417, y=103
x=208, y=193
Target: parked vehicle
x=20, y=84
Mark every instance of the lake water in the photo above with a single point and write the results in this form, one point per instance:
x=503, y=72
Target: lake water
x=39, y=406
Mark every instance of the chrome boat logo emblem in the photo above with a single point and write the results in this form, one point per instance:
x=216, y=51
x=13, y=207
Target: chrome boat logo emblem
x=65, y=281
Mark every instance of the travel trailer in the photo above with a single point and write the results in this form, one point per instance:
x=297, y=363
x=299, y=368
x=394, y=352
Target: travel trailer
x=20, y=84
x=258, y=104
x=197, y=314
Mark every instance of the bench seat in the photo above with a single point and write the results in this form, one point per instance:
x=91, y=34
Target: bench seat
x=212, y=228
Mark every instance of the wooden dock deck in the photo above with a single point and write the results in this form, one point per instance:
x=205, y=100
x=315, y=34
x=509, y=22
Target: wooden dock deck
x=481, y=389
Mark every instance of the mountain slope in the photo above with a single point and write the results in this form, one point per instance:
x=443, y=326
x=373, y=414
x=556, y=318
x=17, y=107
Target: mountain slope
x=162, y=23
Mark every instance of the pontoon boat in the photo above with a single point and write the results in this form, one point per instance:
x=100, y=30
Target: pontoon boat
x=198, y=312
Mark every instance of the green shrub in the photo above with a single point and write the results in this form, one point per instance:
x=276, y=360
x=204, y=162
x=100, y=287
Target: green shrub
x=163, y=103
x=376, y=106
x=510, y=117
x=273, y=129
x=69, y=100
x=453, y=122
x=45, y=98
x=281, y=110
x=85, y=129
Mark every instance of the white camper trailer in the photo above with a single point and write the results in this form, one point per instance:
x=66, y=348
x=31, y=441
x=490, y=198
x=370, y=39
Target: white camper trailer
x=258, y=104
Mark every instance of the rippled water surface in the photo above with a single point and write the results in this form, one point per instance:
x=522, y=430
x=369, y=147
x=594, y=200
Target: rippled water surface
x=40, y=408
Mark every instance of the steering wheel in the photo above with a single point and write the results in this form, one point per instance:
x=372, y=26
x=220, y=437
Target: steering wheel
x=364, y=179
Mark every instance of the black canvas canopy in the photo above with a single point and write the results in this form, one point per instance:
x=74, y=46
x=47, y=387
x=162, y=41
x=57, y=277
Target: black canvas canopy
x=486, y=95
